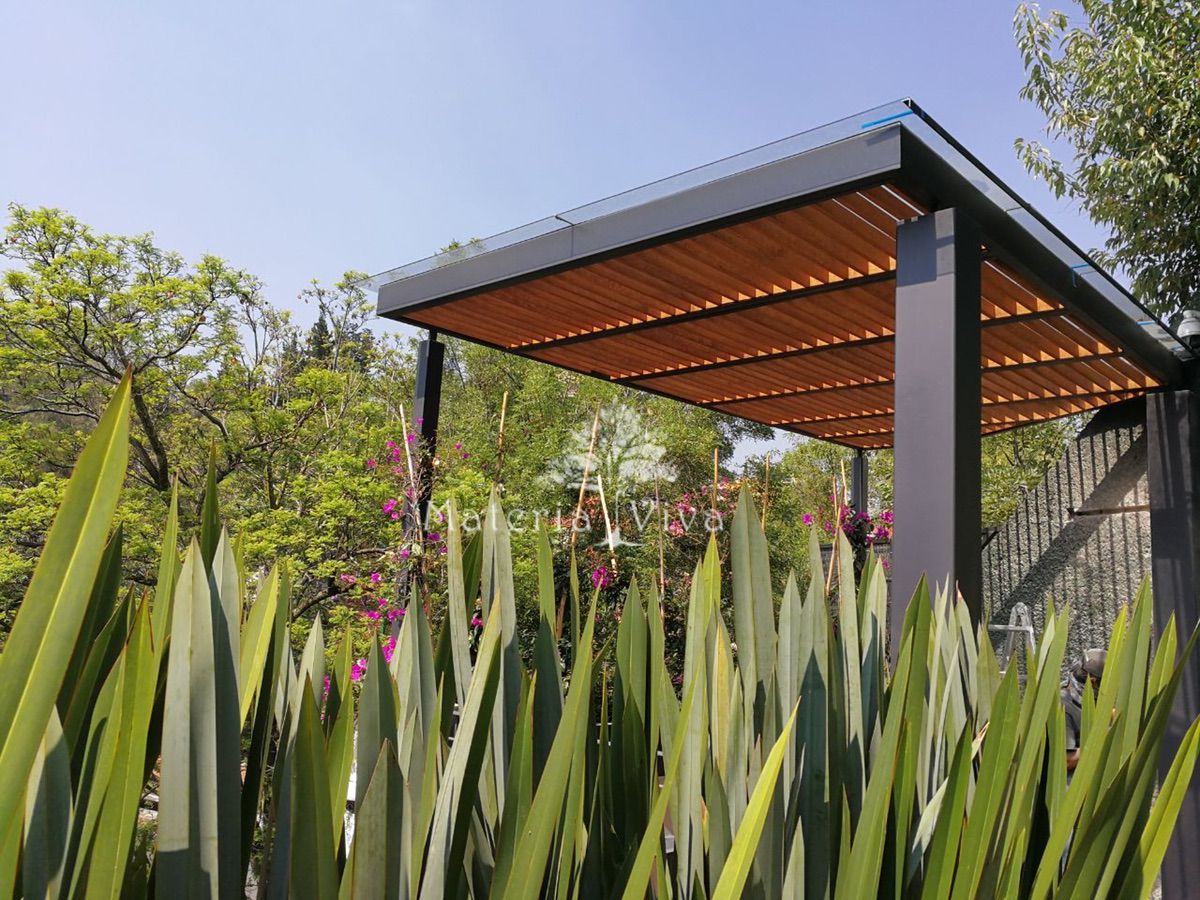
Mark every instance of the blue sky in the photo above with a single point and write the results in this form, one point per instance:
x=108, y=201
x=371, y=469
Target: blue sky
x=305, y=139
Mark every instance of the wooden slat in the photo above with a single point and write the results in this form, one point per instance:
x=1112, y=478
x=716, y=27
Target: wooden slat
x=757, y=319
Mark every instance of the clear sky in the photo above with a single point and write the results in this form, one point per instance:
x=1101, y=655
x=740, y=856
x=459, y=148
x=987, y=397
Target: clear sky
x=300, y=140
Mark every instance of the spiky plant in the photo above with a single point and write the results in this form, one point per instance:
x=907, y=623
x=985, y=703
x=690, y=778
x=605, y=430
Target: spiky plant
x=796, y=763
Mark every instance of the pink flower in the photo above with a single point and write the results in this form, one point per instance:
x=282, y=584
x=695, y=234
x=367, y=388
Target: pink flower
x=391, y=445
x=434, y=537
x=476, y=622
x=376, y=578
x=390, y=505
x=808, y=519
x=411, y=438
x=405, y=553
x=600, y=577
x=348, y=578
x=358, y=669
x=886, y=516
x=394, y=614
x=395, y=516
x=371, y=463
x=458, y=445
x=395, y=453
x=372, y=614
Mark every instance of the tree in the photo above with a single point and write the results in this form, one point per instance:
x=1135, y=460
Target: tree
x=85, y=307
x=1120, y=93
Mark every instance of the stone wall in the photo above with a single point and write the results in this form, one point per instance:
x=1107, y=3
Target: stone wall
x=1075, y=537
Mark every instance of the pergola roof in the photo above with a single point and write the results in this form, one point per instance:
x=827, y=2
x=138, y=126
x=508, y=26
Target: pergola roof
x=763, y=286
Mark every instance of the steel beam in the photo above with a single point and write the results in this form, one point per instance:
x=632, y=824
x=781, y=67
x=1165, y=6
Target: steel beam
x=1173, y=430
x=937, y=480
x=426, y=412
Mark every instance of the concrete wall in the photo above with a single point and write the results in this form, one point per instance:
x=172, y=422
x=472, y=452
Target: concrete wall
x=1095, y=561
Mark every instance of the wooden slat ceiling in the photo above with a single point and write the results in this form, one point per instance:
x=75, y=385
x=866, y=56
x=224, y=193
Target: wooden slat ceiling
x=788, y=319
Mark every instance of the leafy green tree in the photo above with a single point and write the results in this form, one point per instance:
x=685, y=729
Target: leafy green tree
x=1121, y=96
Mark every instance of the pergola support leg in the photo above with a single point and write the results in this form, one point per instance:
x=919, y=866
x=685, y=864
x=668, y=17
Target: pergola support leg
x=858, y=481
x=937, y=410
x=1173, y=438
x=426, y=411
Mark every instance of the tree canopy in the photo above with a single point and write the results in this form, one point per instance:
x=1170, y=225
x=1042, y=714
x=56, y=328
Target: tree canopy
x=1120, y=90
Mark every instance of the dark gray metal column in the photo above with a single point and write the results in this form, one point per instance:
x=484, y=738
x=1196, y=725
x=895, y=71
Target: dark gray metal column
x=858, y=481
x=426, y=411
x=1173, y=431
x=937, y=410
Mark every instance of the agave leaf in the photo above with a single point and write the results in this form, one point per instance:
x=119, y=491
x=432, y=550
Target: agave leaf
x=741, y=854
x=226, y=580
x=210, y=512
x=1139, y=878
x=339, y=722
x=548, y=701
x=47, y=815
x=753, y=608
x=649, y=849
x=100, y=638
x=168, y=570
x=459, y=603
x=312, y=661
x=373, y=868
x=533, y=845
x=110, y=807
x=377, y=717
x=33, y=665
x=256, y=640
x=451, y=818
x=314, y=864
x=198, y=832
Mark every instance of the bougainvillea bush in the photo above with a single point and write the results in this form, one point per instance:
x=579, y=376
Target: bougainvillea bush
x=169, y=742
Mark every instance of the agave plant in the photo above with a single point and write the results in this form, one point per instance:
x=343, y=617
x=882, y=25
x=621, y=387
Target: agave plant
x=796, y=762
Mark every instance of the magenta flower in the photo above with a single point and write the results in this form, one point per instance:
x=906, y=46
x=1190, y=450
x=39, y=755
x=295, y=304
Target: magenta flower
x=348, y=578
x=390, y=505
x=405, y=553
x=476, y=622
x=458, y=445
x=391, y=445
x=601, y=577
x=808, y=519
x=411, y=438
x=371, y=463
x=376, y=578
x=434, y=537
x=372, y=614
x=358, y=669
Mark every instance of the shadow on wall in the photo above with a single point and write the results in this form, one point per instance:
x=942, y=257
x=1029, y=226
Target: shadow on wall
x=1081, y=536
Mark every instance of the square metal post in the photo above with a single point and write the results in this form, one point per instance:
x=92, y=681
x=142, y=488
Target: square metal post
x=937, y=410
x=426, y=410
x=1173, y=442
x=858, y=481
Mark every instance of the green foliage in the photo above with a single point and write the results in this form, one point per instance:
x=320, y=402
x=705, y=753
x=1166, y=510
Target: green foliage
x=1120, y=94
x=798, y=762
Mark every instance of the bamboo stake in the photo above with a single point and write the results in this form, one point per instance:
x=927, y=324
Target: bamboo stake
x=715, y=476
x=413, y=504
x=587, y=465
x=662, y=565
x=500, y=440
x=836, y=544
x=766, y=490
x=612, y=549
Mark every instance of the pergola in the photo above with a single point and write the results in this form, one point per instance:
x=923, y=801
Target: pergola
x=869, y=283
